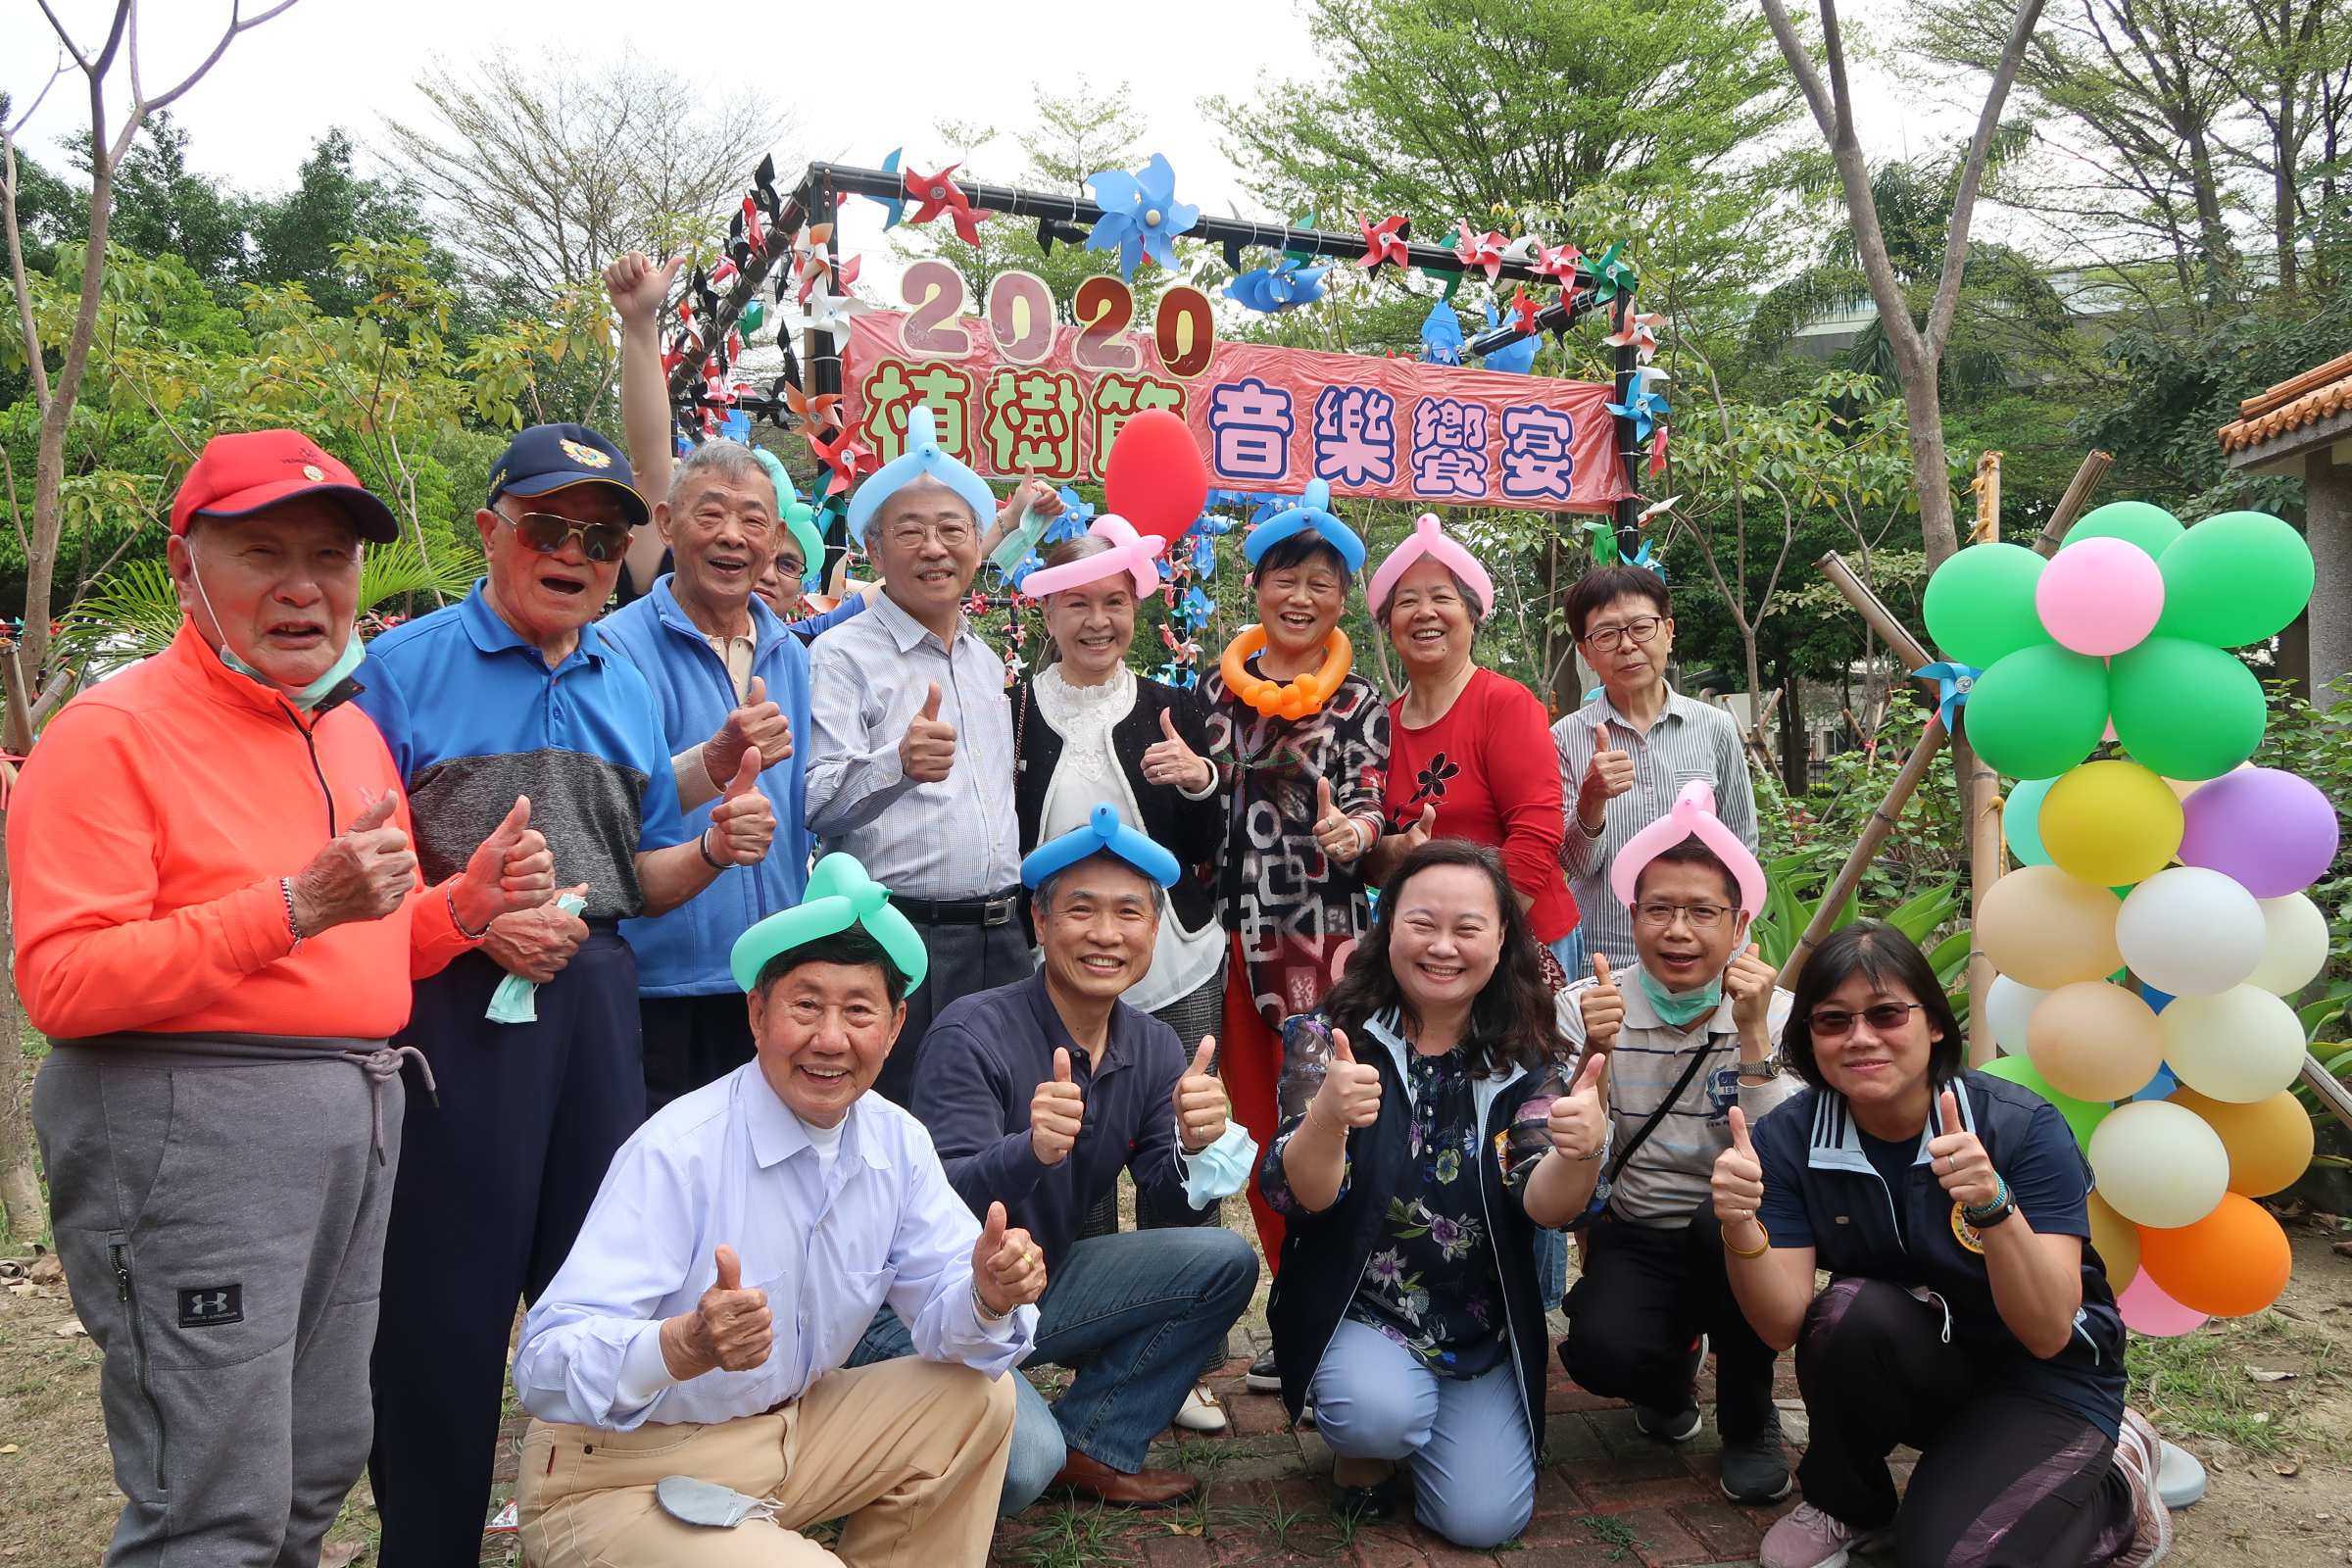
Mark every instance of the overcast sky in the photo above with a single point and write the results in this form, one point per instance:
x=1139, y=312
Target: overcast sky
x=350, y=63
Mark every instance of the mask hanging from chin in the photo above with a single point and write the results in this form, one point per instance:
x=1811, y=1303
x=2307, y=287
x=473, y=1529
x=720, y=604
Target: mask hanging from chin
x=1681, y=1008
x=310, y=695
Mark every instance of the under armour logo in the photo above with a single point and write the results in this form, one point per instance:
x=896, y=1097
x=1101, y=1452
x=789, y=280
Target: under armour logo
x=211, y=1305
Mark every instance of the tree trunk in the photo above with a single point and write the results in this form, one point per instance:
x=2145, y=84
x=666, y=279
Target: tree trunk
x=1796, y=755
x=1930, y=469
x=22, y=1213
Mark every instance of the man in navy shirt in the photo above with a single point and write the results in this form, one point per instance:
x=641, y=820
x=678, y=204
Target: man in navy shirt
x=515, y=691
x=1037, y=1094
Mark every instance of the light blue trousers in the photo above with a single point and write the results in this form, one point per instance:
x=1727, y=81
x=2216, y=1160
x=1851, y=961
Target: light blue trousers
x=1473, y=1459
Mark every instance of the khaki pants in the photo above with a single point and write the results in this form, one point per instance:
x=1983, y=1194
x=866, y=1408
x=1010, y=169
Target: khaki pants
x=911, y=1451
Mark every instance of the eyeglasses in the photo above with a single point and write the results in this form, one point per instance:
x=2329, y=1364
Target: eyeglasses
x=1642, y=628
x=1836, y=1023
x=546, y=533
x=952, y=535
x=1660, y=914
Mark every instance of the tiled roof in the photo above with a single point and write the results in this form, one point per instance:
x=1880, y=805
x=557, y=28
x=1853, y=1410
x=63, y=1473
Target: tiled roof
x=2317, y=394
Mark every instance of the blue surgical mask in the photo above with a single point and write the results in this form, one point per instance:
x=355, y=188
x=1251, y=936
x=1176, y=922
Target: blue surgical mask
x=310, y=695
x=1681, y=1008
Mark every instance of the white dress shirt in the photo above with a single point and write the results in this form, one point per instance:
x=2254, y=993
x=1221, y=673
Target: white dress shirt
x=731, y=1164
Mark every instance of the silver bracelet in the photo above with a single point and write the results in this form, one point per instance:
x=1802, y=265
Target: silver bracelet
x=285, y=886
x=981, y=1306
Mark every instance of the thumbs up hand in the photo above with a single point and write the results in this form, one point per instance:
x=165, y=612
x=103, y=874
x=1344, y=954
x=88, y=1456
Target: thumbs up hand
x=510, y=870
x=743, y=824
x=1055, y=1113
x=1340, y=837
x=361, y=873
x=1170, y=760
x=1009, y=1270
x=927, y=751
x=1202, y=1110
x=1602, y=1006
x=755, y=725
x=730, y=1329
x=1580, y=1118
x=1737, y=1183
x=1608, y=775
x=1350, y=1096
x=1959, y=1160
x=1749, y=980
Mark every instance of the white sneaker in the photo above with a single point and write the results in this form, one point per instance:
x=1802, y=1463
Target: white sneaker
x=1811, y=1538
x=2137, y=1454
x=1200, y=1411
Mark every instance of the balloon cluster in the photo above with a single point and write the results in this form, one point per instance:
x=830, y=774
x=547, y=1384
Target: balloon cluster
x=2155, y=924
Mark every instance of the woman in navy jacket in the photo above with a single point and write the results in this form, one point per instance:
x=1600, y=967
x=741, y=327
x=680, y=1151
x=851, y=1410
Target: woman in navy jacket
x=1966, y=1315
x=1426, y=1132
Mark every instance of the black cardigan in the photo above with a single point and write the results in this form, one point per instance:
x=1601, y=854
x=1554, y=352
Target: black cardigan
x=1190, y=830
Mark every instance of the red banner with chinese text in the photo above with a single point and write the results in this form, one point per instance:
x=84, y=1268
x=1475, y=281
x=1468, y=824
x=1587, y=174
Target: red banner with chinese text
x=1269, y=418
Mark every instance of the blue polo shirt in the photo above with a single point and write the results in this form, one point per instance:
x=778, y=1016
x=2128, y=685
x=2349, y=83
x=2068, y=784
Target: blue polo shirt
x=475, y=717
x=684, y=953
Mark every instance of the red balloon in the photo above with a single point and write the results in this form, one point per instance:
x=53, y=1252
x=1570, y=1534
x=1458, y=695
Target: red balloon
x=1157, y=480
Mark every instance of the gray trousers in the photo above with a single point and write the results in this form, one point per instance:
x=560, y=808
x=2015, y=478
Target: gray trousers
x=221, y=1226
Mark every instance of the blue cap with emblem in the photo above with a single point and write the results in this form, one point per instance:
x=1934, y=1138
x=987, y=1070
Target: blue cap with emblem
x=547, y=457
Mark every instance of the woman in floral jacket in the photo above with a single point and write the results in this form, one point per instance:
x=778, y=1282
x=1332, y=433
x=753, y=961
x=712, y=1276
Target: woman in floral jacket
x=1427, y=1131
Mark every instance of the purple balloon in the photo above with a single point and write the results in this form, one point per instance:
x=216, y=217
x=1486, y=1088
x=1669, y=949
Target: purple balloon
x=2265, y=828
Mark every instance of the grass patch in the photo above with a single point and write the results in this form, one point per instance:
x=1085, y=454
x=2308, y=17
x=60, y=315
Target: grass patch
x=1615, y=1534
x=2198, y=1382
x=1069, y=1535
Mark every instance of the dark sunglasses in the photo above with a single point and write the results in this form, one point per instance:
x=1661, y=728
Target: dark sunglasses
x=546, y=531
x=1834, y=1023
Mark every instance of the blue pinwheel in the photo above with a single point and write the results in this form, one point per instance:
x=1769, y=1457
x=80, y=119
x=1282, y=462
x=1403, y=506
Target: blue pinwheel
x=1441, y=335
x=1281, y=285
x=894, y=204
x=1648, y=562
x=1953, y=681
x=1197, y=606
x=1076, y=515
x=1141, y=214
x=1645, y=408
x=1513, y=359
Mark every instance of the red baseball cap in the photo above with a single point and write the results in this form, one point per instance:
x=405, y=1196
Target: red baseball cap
x=238, y=476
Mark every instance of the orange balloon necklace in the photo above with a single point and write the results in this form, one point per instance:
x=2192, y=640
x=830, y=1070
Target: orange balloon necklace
x=1290, y=699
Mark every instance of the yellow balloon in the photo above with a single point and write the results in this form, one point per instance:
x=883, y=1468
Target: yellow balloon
x=2270, y=1140
x=2118, y=1242
x=2112, y=824
x=2095, y=1039
x=2043, y=928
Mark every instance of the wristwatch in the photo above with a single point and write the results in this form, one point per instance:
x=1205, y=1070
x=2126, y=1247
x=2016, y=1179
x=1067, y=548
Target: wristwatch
x=1991, y=1214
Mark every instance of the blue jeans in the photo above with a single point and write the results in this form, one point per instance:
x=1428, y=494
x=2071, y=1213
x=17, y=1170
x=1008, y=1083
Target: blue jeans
x=1473, y=1459
x=1136, y=1315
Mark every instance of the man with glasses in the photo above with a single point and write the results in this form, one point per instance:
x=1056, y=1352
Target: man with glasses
x=1624, y=755
x=534, y=1040
x=910, y=749
x=1688, y=1031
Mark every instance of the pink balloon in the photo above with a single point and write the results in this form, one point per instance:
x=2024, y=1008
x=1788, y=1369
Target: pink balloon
x=2100, y=596
x=2263, y=827
x=2147, y=1309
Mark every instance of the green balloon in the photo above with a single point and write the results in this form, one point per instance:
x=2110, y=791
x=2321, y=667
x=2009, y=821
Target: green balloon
x=2187, y=710
x=1980, y=603
x=2139, y=522
x=2020, y=821
x=2081, y=1115
x=2236, y=578
x=2038, y=712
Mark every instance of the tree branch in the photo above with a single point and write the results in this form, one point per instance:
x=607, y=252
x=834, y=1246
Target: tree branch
x=1971, y=175
x=142, y=107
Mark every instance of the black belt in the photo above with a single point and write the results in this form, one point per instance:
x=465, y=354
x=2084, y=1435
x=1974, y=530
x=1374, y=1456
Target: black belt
x=996, y=910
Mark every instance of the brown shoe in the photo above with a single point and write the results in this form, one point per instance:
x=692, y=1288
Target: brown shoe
x=1146, y=1489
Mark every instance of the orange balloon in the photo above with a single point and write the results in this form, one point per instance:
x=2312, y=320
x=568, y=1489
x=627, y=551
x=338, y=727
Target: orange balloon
x=2270, y=1140
x=2231, y=1263
x=2117, y=1239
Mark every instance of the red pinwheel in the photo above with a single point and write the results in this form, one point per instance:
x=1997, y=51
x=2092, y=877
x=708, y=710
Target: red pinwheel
x=753, y=235
x=1523, y=309
x=820, y=411
x=724, y=274
x=845, y=457
x=1558, y=263
x=935, y=194
x=813, y=262
x=1384, y=241
x=1481, y=250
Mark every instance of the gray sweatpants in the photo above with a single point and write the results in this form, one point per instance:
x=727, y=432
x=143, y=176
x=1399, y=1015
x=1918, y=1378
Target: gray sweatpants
x=221, y=1226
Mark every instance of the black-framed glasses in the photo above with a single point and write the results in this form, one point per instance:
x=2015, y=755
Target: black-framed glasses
x=1836, y=1023
x=546, y=531
x=1642, y=628
x=1659, y=913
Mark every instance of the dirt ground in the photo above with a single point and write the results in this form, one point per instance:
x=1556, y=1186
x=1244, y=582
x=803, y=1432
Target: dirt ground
x=2279, y=1449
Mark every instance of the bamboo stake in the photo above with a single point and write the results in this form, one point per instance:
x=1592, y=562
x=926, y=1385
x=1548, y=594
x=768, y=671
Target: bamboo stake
x=2070, y=505
x=1881, y=619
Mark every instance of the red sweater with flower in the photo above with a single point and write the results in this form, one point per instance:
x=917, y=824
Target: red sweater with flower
x=1490, y=768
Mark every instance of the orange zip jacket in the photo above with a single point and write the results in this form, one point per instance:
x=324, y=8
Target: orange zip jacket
x=145, y=843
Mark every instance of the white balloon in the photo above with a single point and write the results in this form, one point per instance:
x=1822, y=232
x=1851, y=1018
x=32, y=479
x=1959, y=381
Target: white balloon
x=2298, y=948
x=2008, y=1006
x=2159, y=1164
x=2191, y=932
x=2243, y=1045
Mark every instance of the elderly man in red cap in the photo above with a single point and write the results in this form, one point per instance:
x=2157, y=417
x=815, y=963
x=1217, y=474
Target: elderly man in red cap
x=218, y=915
